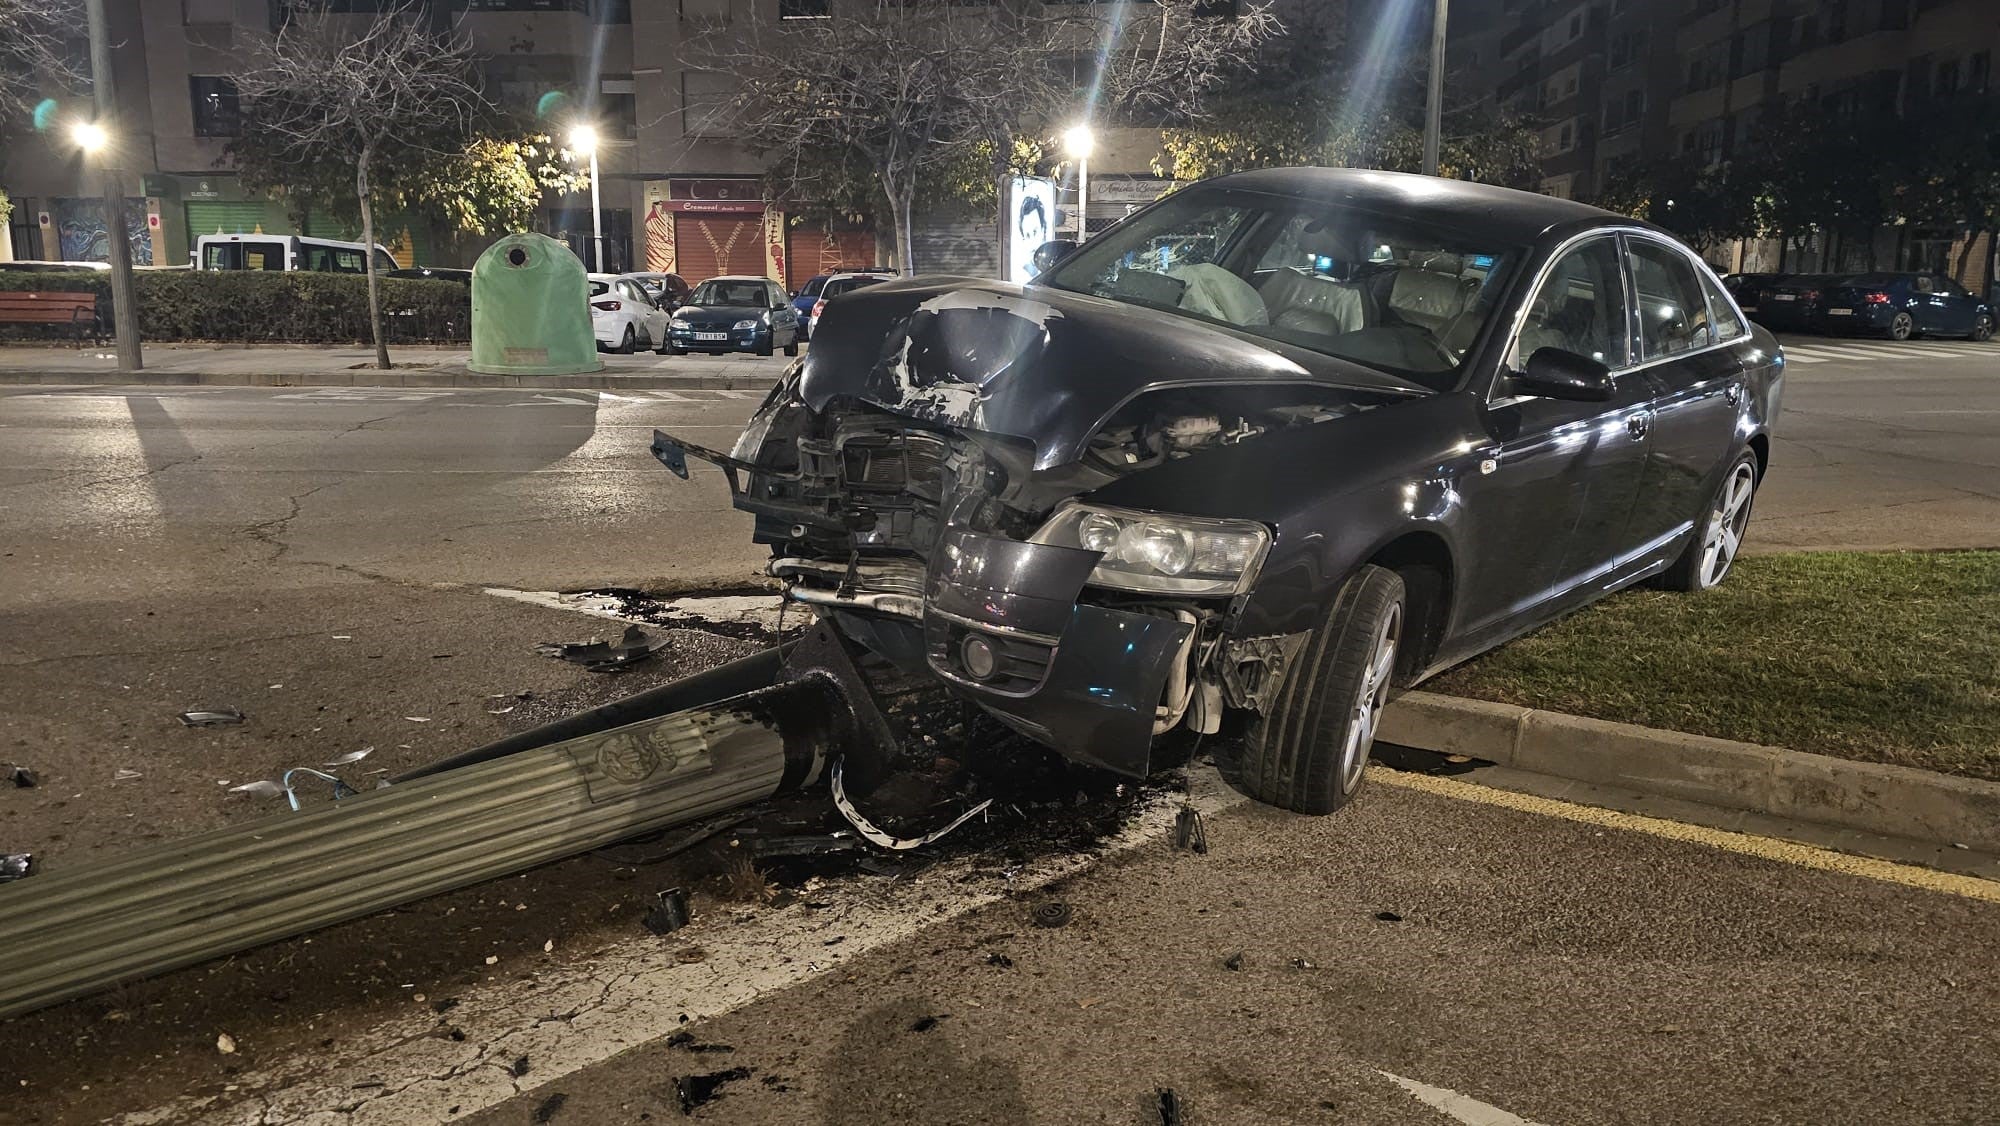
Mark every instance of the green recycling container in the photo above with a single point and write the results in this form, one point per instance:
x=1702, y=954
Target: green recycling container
x=531, y=310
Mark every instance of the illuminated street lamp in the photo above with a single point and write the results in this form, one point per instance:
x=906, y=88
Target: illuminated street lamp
x=583, y=139
x=89, y=136
x=1079, y=141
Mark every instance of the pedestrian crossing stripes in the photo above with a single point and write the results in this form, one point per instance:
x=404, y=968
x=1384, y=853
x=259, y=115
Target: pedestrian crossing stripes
x=1881, y=351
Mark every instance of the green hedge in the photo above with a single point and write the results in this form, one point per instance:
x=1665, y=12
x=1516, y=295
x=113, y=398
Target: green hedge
x=244, y=306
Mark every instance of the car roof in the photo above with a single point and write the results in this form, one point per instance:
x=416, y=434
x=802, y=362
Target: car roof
x=739, y=277
x=1509, y=215
x=882, y=273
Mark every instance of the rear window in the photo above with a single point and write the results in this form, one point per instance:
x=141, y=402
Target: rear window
x=838, y=286
x=597, y=288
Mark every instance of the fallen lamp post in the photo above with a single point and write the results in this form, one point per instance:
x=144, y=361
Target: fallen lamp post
x=613, y=774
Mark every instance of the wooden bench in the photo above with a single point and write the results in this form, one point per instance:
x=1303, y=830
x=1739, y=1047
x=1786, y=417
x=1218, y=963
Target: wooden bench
x=56, y=307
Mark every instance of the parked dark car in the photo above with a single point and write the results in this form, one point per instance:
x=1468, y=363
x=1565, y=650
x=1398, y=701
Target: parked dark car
x=1748, y=289
x=1900, y=306
x=1394, y=422
x=432, y=273
x=803, y=300
x=735, y=314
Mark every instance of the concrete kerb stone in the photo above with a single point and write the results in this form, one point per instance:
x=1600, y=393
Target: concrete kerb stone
x=1864, y=796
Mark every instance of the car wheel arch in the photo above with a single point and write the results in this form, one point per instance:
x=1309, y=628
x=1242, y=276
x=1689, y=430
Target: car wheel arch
x=1424, y=561
x=1760, y=444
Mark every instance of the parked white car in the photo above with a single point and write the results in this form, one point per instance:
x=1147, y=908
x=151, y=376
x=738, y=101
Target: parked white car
x=624, y=314
x=839, y=284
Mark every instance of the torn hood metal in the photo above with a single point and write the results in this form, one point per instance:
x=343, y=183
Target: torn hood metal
x=1045, y=365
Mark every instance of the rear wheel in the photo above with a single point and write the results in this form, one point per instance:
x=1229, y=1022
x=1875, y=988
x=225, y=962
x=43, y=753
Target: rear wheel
x=1718, y=534
x=1902, y=326
x=627, y=342
x=1982, y=329
x=1308, y=752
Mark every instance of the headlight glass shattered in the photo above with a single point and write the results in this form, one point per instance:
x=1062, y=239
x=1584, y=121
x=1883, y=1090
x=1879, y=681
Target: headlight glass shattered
x=1158, y=552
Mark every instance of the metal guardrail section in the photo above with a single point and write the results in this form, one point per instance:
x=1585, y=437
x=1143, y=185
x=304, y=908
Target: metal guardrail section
x=67, y=933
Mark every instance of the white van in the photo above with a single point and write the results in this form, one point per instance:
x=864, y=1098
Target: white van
x=286, y=252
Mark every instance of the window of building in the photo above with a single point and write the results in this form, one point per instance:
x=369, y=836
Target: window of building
x=1979, y=72
x=802, y=9
x=1946, y=82
x=705, y=98
x=1835, y=19
x=217, y=111
x=1576, y=25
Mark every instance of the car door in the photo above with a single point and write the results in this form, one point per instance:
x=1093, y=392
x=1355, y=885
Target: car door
x=1688, y=336
x=784, y=318
x=1932, y=305
x=1958, y=308
x=1556, y=478
x=652, y=321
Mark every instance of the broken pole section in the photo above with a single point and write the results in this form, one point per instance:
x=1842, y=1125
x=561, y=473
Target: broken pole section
x=69, y=933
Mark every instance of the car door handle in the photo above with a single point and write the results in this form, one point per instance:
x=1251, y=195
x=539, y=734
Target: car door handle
x=1638, y=424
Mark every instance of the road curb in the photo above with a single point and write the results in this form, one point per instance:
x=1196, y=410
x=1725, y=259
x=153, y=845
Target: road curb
x=1869, y=797
x=370, y=377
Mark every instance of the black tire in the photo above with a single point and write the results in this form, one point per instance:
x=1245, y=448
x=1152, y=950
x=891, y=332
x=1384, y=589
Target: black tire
x=792, y=349
x=1982, y=328
x=1902, y=326
x=1301, y=754
x=1695, y=570
x=627, y=342
x=764, y=349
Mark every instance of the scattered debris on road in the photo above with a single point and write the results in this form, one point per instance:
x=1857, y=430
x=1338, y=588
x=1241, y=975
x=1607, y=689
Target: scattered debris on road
x=351, y=756
x=519, y=1067
x=1233, y=962
x=685, y=1041
x=881, y=839
x=669, y=913
x=1388, y=916
x=14, y=865
x=926, y=1023
x=21, y=777
x=1000, y=960
x=1172, y=1113
x=1052, y=914
x=549, y=1106
x=696, y=1091
x=124, y=775
x=212, y=717
x=226, y=1044
x=603, y=656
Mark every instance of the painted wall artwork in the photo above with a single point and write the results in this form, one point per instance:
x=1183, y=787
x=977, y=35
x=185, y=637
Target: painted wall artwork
x=81, y=237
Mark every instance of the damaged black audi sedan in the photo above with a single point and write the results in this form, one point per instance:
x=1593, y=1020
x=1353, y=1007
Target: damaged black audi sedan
x=1263, y=453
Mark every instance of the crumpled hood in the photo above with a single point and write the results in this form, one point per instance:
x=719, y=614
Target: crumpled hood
x=1040, y=364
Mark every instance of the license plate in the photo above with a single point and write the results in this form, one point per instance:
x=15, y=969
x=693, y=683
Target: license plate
x=1840, y=312
x=711, y=336
x=1784, y=297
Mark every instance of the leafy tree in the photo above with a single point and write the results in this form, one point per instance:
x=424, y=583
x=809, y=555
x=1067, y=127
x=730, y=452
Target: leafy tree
x=1703, y=205
x=905, y=94
x=352, y=93
x=1946, y=172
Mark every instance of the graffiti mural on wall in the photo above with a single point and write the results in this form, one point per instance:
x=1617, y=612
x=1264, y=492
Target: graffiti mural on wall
x=81, y=236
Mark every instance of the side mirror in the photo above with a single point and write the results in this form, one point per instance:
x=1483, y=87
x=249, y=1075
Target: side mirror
x=1555, y=373
x=1051, y=252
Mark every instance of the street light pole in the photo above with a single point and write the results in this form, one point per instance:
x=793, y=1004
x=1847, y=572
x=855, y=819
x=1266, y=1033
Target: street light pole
x=1080, y=141
x=596, y=215
x=1434, y=107
x=124, y=306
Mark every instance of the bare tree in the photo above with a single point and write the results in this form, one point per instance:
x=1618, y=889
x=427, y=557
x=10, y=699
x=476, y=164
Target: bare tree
x=32, y=33
x=348, y=89
x=904, y=87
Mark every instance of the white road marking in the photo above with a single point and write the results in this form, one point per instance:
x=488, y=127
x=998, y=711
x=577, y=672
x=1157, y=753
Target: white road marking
x=543, y=399
x=367, y=394
x=1463, y=1108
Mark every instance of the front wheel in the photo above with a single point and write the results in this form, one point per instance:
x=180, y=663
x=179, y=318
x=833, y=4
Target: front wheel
x=1982, y=329
x=1308, y=752
x=1718, y=535
x=764, y=349
x=1902, y=326
x=792, y=349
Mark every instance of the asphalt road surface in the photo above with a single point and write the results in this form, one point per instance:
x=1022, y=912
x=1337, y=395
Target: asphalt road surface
x=317, y=557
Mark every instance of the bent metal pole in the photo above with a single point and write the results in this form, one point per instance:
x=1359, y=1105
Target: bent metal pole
x=64, y=934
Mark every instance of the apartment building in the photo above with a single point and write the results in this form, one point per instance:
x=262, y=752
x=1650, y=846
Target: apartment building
x=1612, y=82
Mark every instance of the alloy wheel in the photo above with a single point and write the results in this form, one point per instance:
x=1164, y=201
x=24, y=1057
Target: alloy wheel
x=1902, y=327
x=1372, y=697
x=1982, y=329
x=1723, y=537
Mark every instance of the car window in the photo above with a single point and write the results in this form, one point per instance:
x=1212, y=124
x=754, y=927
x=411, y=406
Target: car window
x=715, y=291
x=775, y=295
x=1952, y=287
x=813, y=287
x=1580, y=308
x=1393, y=293
x=1925, y=284
x=838, y=286
x=1728, y=323
x=1673, y=315
x=597, y=288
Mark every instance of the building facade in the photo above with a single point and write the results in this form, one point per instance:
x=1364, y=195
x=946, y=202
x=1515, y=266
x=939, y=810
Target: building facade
x=1613, y=82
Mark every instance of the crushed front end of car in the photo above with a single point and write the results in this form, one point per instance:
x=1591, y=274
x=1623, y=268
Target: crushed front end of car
x=925, y=477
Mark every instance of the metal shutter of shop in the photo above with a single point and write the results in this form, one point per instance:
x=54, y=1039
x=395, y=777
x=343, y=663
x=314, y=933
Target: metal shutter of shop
x=207, y=217
x=713, y=245
x=814, y=253
x=970, y=249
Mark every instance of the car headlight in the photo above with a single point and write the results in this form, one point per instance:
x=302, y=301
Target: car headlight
x=680, y=322
x=1158, y=552
x=749, y=322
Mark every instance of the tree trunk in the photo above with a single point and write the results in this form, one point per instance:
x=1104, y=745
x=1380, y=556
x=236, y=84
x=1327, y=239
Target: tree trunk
x=368, y=255
x=900, y=198
x=1965, y=256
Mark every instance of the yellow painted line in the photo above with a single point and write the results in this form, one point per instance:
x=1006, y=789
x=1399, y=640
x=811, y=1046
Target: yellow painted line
x=1747, y=844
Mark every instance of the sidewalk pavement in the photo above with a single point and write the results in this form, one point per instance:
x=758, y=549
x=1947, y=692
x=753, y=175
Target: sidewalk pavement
x=284, y=365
